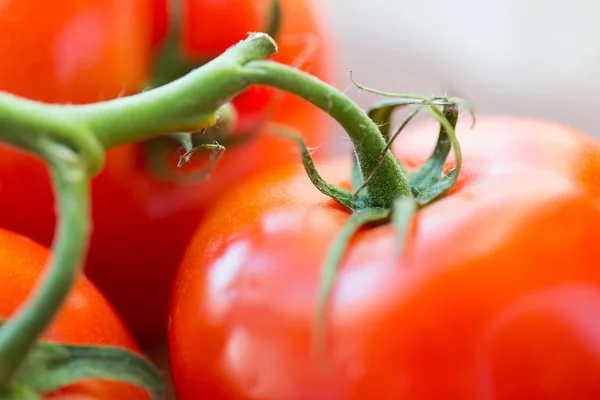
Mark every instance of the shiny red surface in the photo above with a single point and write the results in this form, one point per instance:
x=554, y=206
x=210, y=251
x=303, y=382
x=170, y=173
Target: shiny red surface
x=493, y=299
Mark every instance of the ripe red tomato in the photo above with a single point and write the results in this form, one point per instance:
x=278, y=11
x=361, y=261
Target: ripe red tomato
x=495, y=296
x=76, y=51
x=142, y=224
x=85, y=318
x=202, y=24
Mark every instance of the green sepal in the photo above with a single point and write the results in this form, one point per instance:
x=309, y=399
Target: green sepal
x=342, y=196
x=51, y=366
x=429, y=173
x=427, y=181
x=416, y=99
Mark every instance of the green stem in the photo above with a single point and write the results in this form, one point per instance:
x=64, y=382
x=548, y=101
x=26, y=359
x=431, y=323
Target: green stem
x=189, y=104
x=185, y=104
x=19, y=333
x=390, y=182
x=27, y=124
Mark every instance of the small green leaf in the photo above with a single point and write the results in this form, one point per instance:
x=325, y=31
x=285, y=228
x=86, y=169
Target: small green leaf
x=430, y=173
x=402, y=214
x=438, y=188
x=434, y=186
x=52, y=366
x=340, y=195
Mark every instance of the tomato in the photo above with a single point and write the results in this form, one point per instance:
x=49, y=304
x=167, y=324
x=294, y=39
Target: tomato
x=495, y=295
x=77, y=51
x=142, y=224
x=85, y=318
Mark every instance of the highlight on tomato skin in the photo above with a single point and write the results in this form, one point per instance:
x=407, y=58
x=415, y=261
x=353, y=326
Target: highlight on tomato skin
x=86, y=318
x=492, y=299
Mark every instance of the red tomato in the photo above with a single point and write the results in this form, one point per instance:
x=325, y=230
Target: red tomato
x=495, y=297
x=74, y=51
x=85, y=318
x=210, y=27
x=141, y=224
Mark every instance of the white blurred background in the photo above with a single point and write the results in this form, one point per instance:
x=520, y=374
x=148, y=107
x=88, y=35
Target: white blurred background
x=538, y=58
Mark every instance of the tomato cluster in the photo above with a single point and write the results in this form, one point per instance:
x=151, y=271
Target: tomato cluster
x=86, y=51
x=494, y=296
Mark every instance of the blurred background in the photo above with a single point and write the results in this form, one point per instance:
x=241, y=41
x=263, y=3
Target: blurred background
x=536, y=58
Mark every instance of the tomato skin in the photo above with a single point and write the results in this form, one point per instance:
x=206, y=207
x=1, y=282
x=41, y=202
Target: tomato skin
x=79, y=52
x=85, y=318
x=142, y=225
x=492, y=299
x=209, y=27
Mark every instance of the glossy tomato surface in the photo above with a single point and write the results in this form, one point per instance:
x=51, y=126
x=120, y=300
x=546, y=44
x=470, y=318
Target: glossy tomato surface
x=74, y=51
x=142, y=224
x=200, y=24
x=85, y=318
x=494, y=298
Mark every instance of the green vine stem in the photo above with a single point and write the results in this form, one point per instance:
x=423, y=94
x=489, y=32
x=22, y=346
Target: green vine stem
x=390, y=182
x=71, y=183
x=187, y=105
